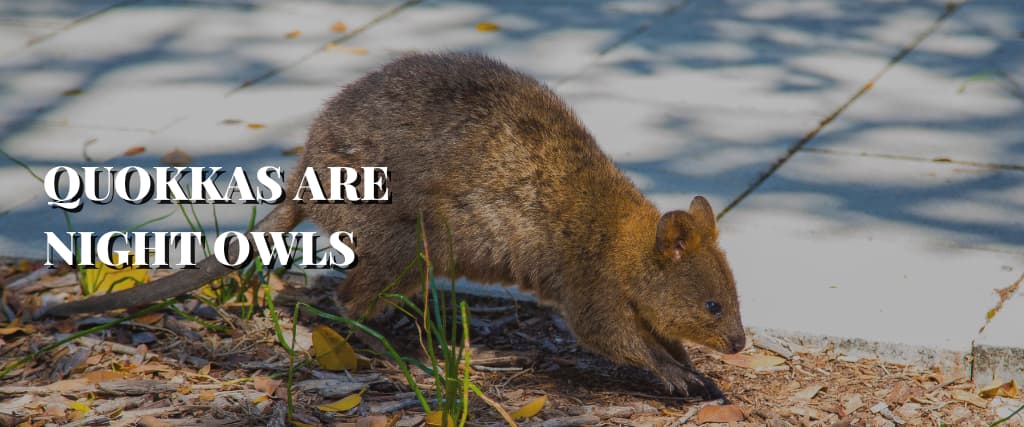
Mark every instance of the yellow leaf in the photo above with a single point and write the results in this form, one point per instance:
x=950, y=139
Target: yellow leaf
x=14, y=328
x=293, y=34
x=752, y=361
x=332, y=351
x=105, y=278
x=339, y=27
x=530, y=409
x=998, y=388
x=434, y=419
x=80, y=407
x=209, y=396
x=331, y=46
x=349, y=402
x=294, y=151
x=256, y=125
x=487, y=27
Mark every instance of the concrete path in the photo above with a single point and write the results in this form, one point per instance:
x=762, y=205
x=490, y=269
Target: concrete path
x=868, y=156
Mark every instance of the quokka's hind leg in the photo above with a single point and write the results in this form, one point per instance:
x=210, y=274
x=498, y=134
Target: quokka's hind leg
x=363, y=296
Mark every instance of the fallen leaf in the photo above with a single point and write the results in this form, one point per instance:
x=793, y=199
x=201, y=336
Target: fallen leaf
x=150, y=318
x=530, y=409
x=265, y=384
x=72, y=92
x=105, y=278
x=752, y=361
x=434, y=419
x=207, y=395
x=332, y=351
x=80, y=407
x=487, y=27
x=966, y=396
x=293, y=34
x=256, y=125
x=719, y=414
x=347, y=49
x=808, y=393
x=339, y=27
x=138, y=149
x=176, y=157
x=997, y=388
x=345, y=404
x=293, y=151
x=15, y=327
x=205, y=370
x=96, y=377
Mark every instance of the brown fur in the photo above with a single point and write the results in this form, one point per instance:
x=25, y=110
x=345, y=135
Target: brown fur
x=530, y=199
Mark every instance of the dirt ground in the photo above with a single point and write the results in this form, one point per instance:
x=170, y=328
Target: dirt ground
x=167, y=369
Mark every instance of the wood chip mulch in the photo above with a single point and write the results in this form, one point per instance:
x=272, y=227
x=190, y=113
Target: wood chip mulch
x=166, y=370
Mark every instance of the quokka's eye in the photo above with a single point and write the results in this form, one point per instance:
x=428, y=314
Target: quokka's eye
x=713, y=307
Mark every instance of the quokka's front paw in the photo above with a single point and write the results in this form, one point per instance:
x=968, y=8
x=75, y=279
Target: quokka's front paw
x=687, y=383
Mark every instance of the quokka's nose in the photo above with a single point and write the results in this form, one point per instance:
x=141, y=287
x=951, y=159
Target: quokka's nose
x=738, y=343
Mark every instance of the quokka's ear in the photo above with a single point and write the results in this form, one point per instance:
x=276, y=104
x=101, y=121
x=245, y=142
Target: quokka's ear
x=704, y=216
x=676, y=235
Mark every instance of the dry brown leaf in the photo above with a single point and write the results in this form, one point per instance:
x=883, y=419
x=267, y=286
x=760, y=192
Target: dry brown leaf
x=530, y=409
x=205, y=370
x=15, y=327
x=487, y=27
x=332, y=351
x=997, y=388
x=966, y=396
x=150, y=319
x=207, y=395
x=293, y=34
x=719, y=414
x=752, y=361
x=138, y=149
x=176, y=158
x=265, y=384
x=339, y=27
x=96, y=377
